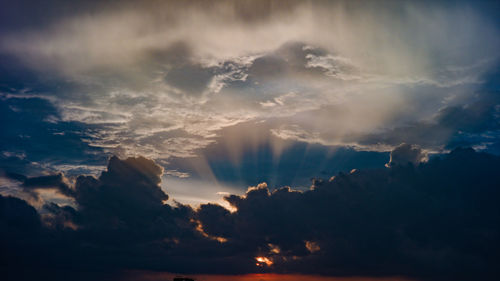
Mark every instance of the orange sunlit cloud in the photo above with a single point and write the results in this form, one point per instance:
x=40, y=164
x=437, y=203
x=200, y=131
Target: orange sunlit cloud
x=261, y=261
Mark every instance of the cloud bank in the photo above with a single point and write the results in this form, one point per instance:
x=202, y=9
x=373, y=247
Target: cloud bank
x=436, y=220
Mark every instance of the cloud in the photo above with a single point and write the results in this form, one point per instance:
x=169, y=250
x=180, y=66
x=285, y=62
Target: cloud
x=434, y=221
x=404, y=154
x=122, y=210
x=473, y=123
x=121, y=36
x=37, y=190
x=164, y=79
x=21, y=226
x=127, y=191
x=186, y=83
x=249, y=153
x=32, y=143
x=52, y=181
x=18, y=218
x=375, y=222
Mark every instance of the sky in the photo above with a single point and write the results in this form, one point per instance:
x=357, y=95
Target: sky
x=321, y=140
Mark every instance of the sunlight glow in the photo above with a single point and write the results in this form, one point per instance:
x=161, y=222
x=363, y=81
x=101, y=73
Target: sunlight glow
x=312, y=246
x=261, y=261
x=274, y=248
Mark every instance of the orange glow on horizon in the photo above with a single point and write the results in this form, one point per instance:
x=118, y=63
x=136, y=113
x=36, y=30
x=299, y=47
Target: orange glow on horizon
x=159, y=276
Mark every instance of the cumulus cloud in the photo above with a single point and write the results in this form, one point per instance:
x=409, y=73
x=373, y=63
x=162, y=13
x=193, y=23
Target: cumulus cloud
x=405, y=154
x=434, y=221
x=375, y=221
x=122, y=210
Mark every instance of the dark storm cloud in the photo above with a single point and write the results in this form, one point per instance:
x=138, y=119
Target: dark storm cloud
x=52, y=181
x=20, y=227
x=30, y=187
x=127, y=191
x=17, y=217
x=437, y=220
x=407, y=153
x=475, y=123
x=120, y=222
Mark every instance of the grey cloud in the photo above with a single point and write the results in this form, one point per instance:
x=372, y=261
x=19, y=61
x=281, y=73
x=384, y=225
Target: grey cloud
x=134, y=74
x=434, y=221
x=405, y=154
x=471, y=124
x=472, y=121
x=190, y=78
x=121, y=211
x=376, y=221
x=249, y=153
x=52, y=181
